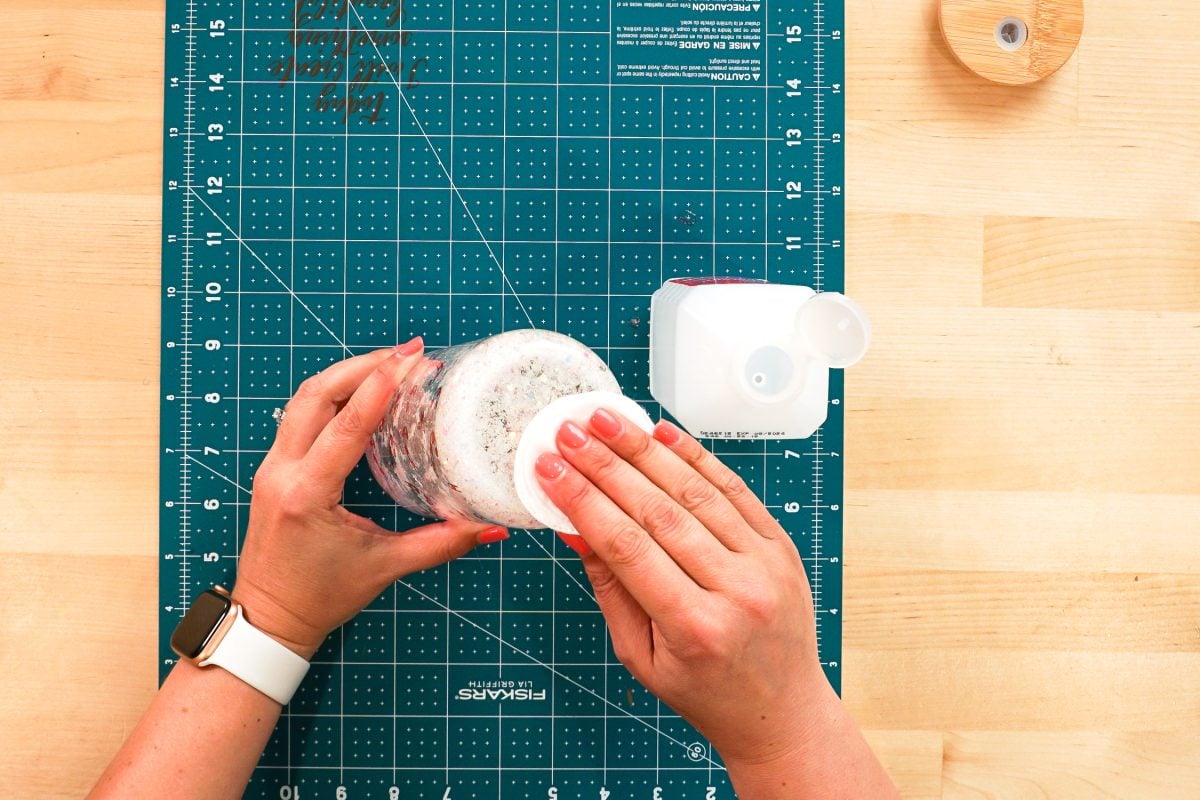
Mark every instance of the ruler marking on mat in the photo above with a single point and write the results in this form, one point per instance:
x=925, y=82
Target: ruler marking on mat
x=185, y=397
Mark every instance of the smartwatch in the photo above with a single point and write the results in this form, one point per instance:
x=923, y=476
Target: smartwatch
x=214, y=632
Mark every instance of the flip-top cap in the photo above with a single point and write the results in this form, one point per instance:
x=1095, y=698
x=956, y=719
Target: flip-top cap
x=833, y=329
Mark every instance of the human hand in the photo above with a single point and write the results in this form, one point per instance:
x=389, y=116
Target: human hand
x=308, y=564
x=705, y=594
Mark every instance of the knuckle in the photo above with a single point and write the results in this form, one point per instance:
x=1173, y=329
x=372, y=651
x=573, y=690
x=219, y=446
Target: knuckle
x=705, y=636
x=734, y=485
x=697, y=493
x=634, y=659
x=790, y=551
x=572, y=493
x=263, y=475
x=761, y=603
x=292, y=500
x=769, y=528
x=348, y=422
x=627, y=652
x=311, y=387
x=450, y=548
x=628, y=545
x=662, y=514
x=638, y=445
x=621, y=650
x=603, y=463
x=602, y=579
x=278, y=496
x=268, y=484
x=691, y=451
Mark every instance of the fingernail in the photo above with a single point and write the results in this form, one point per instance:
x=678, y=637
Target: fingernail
x=666, y=433
x=572, y=435
x=575, y=542
x=496, y=533
x=411, y=346
x=550, y=466
x=606, y=423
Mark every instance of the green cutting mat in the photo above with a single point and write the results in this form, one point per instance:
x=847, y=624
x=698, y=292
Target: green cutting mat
x=340, y=176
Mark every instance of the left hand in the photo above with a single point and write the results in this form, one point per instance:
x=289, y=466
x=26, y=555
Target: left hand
x=308, y=564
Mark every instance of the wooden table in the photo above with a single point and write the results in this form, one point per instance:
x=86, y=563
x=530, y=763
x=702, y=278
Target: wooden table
x=1023, y=490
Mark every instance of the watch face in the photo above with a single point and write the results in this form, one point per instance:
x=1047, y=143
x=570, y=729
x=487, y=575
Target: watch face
x=199, y=623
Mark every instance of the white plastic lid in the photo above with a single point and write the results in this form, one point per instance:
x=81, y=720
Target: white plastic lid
x=539, y=437
x=833, y=329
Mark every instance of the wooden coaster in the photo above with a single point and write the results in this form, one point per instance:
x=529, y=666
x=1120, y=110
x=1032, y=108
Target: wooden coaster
x=1012, y=41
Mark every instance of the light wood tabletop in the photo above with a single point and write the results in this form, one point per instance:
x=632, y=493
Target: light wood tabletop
x=1022, y=609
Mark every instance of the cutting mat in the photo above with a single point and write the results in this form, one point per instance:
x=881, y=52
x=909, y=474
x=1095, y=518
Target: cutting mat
x=342, y=175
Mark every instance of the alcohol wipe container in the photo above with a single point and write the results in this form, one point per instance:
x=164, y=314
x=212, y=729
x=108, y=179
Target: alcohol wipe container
x=732, y=358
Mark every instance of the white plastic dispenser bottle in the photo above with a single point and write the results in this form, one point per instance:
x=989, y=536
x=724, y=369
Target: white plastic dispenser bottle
x=738, y=359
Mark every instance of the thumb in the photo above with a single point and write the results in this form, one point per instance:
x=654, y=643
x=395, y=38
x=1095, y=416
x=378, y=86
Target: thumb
x=434, y=544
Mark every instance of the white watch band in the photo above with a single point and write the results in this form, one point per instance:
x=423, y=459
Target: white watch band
x=256, y=658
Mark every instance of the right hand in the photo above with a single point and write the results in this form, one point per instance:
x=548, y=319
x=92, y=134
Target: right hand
x=704, y=592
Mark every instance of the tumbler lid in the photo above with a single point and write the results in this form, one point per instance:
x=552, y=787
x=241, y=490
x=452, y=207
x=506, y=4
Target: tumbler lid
x=539, y=437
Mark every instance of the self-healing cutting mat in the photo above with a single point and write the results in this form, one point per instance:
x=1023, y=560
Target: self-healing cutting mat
x=339, y=176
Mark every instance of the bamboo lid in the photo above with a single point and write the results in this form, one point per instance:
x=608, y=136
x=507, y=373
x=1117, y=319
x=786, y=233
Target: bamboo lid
x=1012, y=41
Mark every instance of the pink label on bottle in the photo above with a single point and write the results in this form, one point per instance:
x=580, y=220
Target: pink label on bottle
x=714, y=281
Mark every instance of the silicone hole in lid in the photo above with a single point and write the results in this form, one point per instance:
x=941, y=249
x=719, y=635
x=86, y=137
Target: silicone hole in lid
x=833, y=329
x=539, y=438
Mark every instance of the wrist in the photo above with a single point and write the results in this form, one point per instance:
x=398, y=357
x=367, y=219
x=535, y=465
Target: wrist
x=794, y=764
x=273, y=618
x=794, y=730
x=826, y=757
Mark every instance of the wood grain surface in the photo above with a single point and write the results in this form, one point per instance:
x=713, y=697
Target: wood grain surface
x=1022, y=602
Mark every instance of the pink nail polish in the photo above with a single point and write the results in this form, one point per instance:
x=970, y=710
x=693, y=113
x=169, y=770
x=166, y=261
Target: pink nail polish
x=550, y=466
x=575, y=542
x=606, y=423
x=496, y=533
x=572, y=435
x=666, y=433
x=411, y=346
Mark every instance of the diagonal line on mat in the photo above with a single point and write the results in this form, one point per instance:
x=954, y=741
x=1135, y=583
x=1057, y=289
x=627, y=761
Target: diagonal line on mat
x=506, y=643
x=267, y=267
x=559, y=564
x=193, y=459
x=453, y=187
x=565, y=677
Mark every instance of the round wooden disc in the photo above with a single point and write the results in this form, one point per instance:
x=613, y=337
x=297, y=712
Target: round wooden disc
x=1012, y=41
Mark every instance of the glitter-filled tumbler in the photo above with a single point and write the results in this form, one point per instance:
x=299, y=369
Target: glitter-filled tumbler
x=448, y=444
